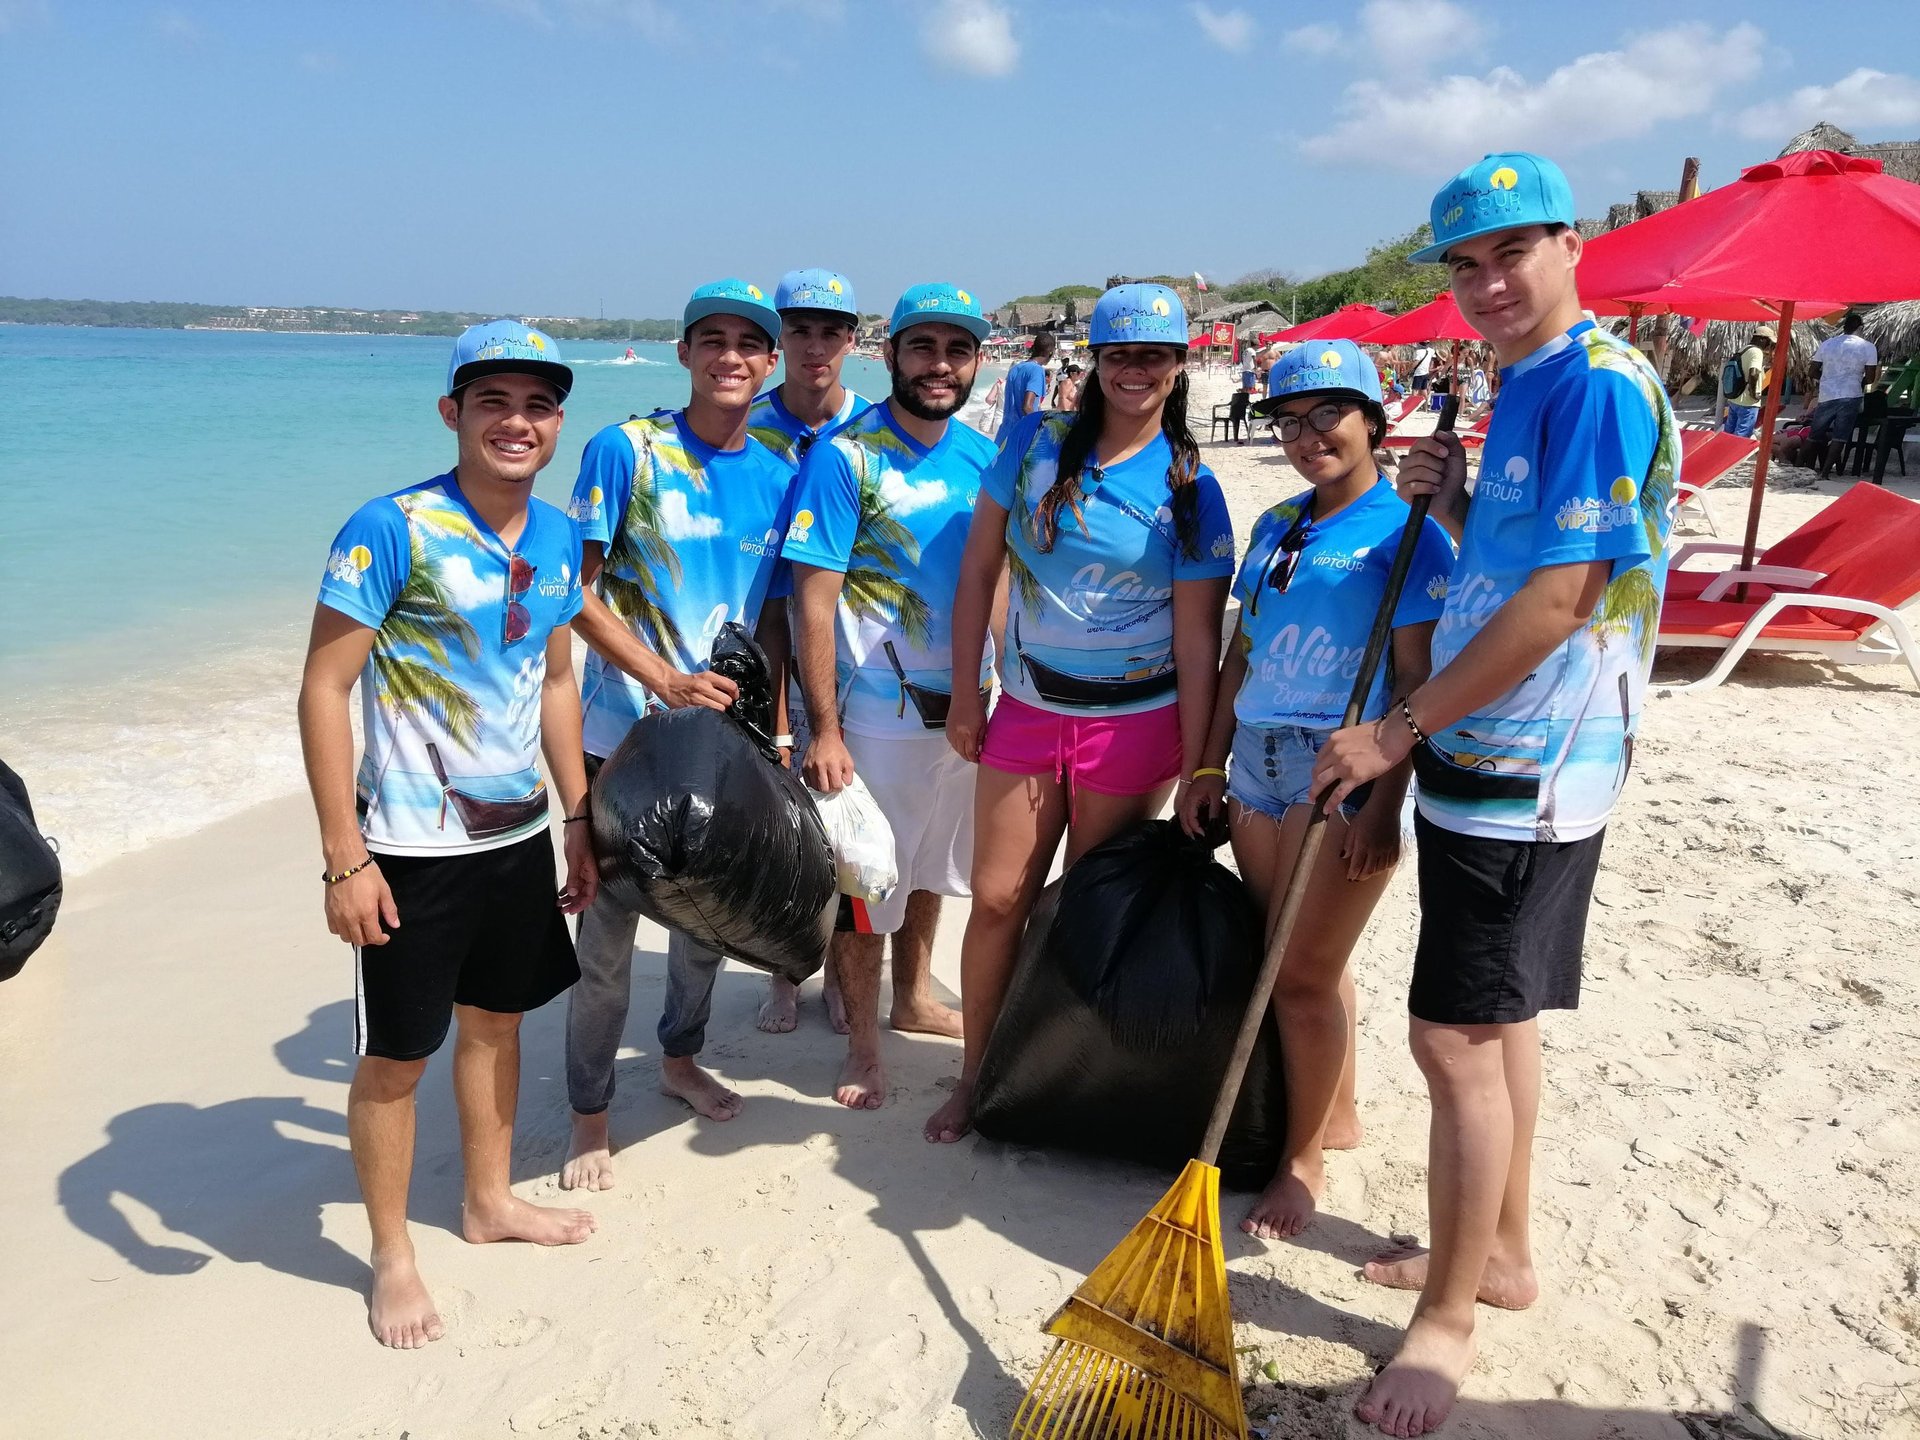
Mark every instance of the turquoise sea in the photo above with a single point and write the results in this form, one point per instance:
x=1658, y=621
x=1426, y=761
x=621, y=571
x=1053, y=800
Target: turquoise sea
x=167, y=504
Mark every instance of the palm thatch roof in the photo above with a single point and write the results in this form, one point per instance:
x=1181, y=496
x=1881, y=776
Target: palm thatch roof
x=1894, y=330
x=1821, y=136
x=1900, y=158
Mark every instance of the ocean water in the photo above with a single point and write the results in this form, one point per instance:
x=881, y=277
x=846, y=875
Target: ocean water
x=166, y=506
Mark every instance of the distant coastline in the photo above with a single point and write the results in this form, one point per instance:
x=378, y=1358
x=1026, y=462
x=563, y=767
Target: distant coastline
x=307, y=319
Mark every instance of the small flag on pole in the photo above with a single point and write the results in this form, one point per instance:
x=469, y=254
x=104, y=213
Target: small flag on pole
x=1199, y=282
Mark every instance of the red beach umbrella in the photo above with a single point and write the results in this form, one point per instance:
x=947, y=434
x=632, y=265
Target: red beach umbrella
x=1438, y=319
x=1349, y=322
x=1796, y=231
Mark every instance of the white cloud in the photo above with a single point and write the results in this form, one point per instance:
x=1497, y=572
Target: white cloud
x=974, y=36
x=1314, y=39
x=1229, y=29
x=905, y=498
x=679, y=523
x=320, y=62
x=1863, y=100
x=1596, y=99
x=1411, y=35
x=468, y=592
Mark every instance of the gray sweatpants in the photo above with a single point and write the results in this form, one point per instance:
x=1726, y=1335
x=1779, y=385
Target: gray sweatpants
x=597, y=1005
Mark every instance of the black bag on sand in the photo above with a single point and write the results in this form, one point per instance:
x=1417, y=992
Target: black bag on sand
x=1133, y=977
x=30, y=883
x=697, y=825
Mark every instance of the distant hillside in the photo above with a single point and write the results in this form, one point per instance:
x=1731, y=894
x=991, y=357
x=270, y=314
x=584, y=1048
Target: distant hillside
x=165, y=315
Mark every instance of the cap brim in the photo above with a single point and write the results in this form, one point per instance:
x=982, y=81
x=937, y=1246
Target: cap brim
x=558, y=375
x=974, y=325
x=1266, y=407
x=762, y=315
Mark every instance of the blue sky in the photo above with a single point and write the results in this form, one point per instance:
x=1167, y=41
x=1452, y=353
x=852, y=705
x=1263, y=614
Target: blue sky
x=552, y=156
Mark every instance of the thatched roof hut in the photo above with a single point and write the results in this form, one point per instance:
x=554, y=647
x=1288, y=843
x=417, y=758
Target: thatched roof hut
x=1901, y=158
x=1894, y=330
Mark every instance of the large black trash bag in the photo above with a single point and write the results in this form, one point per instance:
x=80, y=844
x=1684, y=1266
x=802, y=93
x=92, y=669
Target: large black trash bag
x=30, y=883
x=697, y=825
x=1133, y=976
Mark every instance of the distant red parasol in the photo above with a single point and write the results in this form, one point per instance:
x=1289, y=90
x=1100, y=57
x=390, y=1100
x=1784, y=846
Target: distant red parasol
x=1438, y=319
x=1349, y=322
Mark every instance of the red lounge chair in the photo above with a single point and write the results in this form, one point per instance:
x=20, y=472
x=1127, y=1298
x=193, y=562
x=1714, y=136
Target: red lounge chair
x=1795, y=561
x=1706, y=456
x=1840, y=615
x=1472, y=438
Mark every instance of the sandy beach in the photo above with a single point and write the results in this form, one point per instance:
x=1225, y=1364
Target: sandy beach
x=1729, y=1153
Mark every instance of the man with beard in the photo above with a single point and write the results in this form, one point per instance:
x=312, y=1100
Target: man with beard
x=880, y=518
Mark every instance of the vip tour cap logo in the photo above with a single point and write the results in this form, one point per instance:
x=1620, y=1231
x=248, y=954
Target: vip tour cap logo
x=1160, y=306
x=1505, y=178
x=965, y=299
x=536, y=341
x=754, y=291
x=1331, y=359
x=360, y=557
x=1623, y=491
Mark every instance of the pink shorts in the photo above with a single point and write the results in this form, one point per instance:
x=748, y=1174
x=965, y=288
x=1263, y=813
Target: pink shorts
x=1110, y=754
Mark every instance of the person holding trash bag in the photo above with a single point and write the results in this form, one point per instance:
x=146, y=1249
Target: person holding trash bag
x=1521, y=738
x=1309, y=587
x=448, y=603
x=1118, y=547
x=880, y=516
x=680, y=517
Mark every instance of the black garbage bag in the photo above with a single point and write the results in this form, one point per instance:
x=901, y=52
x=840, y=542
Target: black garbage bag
x=30, y=882
x=1133, y=976
x=697, y=824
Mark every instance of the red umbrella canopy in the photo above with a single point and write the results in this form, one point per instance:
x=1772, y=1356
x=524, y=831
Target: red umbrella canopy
x=1689, y=300
x=1806, y=227
x=1438, y=319
x=1349, y=322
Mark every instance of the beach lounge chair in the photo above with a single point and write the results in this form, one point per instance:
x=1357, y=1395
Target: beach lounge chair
x=1472, y=438
x=1850, y=615
x=1707, y=456
x=1796, y=560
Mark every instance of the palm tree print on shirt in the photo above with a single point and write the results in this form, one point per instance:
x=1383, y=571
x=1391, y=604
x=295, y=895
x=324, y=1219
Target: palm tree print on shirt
x=1631, y=602
x=642, y=564
x=874, y=586
x=1044, y=450
x=423, y=618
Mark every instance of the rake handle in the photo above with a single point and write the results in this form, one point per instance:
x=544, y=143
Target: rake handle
x=1316, y=822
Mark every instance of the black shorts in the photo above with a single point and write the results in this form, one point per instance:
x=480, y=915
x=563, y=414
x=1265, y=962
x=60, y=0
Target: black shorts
x=482, y=929
x=1502, y=925
x=1420, y=383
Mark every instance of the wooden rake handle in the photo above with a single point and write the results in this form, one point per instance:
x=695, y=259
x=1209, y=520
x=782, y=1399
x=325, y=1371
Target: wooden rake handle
x=1316, y=822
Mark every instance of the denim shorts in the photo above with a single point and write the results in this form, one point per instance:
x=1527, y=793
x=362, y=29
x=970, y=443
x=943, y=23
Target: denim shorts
x=1272, y=769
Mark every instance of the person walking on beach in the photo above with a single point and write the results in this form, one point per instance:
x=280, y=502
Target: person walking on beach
x=880, y=520
x=1066, y=390
x=680, y=518
x=1521, y=738
x=1025, y=387
x=818, y=325
x=1422, y=367
x=1308, y=589
x=1843, y=366
x=1743, y=405
x=1118, y=548
x=448, y=602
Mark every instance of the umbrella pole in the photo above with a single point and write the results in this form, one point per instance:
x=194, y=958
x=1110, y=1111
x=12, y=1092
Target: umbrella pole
x=1633, y=326
x=1769, y=413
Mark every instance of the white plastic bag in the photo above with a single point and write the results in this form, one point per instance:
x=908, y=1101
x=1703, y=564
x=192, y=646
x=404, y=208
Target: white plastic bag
x=862, y=841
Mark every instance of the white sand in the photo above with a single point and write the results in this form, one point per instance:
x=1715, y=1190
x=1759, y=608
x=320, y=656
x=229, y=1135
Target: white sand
x=1725, y=1192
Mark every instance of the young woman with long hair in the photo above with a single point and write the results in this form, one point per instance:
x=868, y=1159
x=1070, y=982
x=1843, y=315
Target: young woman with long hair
x=1311, y=583
x=1118, y=549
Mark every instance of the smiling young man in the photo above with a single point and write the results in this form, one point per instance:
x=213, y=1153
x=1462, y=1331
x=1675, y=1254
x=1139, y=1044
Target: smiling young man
x=1521, y=738
x=448, y=602
x=818, y=325
x=681, y=516
x=880, y=517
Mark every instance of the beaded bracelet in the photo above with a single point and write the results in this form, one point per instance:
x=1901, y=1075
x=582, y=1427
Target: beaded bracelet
x=335, y=877
x=1406, y=710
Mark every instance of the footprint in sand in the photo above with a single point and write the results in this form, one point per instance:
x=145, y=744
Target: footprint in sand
x=551, y=1410
x=519, y=1329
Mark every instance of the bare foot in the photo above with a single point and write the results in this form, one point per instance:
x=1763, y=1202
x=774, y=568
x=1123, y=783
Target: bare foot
x=780, y=1011
x=399, y=1311
x=1503, y=1284
x=863, y=1082
x=1414, y=1392
x=515, y=1219
x=684, y=1080
x=1288, y=1202
x=953, y=1119
x=589, y=1163
x=836, y=1006
x=924, y=1015
x=1344, y=1131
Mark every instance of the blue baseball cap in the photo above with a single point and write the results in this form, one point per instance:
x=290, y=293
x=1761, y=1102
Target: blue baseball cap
x=1502, y=192
x=1321, y=367
x=816, y=290
x=1138, y=314
x=939, y=301
x=732, y=297
x=506, y=347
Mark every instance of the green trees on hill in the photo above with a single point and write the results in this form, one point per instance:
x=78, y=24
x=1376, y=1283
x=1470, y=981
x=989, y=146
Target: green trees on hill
x=168, y=315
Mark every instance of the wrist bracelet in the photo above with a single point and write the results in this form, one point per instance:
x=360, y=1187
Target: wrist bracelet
x=1406, y=710
x=1209, y=770
x=784, y=741
x=576, y=819
x=336, y=876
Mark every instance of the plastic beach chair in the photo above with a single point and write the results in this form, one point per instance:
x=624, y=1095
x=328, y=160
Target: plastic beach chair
x=1795, y=561
x=1707, y=456
x=1850, y=615
x=1472, y=438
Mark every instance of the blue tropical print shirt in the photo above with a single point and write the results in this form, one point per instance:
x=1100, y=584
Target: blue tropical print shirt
x=692, y=540
x=451, y=708
x=892, y=515
x=1090, y=622
x=782, y=432
x=1580, y=465
x=1304, y=644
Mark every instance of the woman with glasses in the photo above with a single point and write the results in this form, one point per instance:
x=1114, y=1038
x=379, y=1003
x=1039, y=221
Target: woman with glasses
x=1118, y=549
x=1308, y=589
